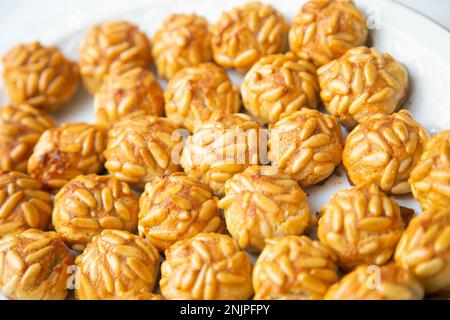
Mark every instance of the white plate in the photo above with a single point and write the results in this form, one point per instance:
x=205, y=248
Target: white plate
x=417, y=42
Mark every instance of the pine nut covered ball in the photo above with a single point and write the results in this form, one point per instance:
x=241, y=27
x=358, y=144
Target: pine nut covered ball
x=430, y=177
x=306, y=145
x=184, y=40
x=23, y=204
x=278, y=85
x=20, y=129
x=324, y=30
x=40, y=76
x=135, y=90
x=140, y=148
x=88, y=204
x=389, y=282
x=225, y=145
x=361, y=225
x=34, y=265
x=177, y=207
x=425, y=250
x=209, y=266
x=260, y=204
x=246, y=33
x=384, y=149
x=194, y=93
x=67, y=151
x=115, y=45
x=294, y=268
x=362, y=83
x=116, y=264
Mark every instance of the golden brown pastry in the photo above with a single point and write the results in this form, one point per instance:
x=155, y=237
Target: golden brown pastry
x=390, y=282
x=430, y=177
x=20, y=129
x=306, y=145
x=294, y=268
x=194, y=93
x=67, y=151
x=384, y=149
x=361, y=225
x=116, y=265
x=115, y=45
x=34, y=265
x=278, y=85
x=139, y=296
x=260, y=203
x=224, y=145
x=362, y=83
x=120, y=95
x=246, y=33
x=184, y=40
x=88, y=204
x=140, y=148
x=209, y=266
x=425, y=250
x=23, y=204
x=177, y=207
x=40, y=76
x=323, y=30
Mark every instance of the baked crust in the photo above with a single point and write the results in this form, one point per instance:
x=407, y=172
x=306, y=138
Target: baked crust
x=209, y=266
x=39, y=76
x=246, y=33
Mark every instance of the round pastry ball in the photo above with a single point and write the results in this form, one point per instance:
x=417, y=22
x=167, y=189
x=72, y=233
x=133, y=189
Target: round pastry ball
x=362, y=83
x=34, y=265
x=209, y=266
x=260, y=204
x=294, y=268
x=115, y=45
x=88, y=204
x=184, y=40
x=430, y=177
x=278, y=85
x=20, y=129
x=23, y=204
x=116, y=265
x=425, y=250
x=140, y=148
x=177, y=207
x=324, y=30
x=40, y=76
x=67, y=151
x=246, y=33
x=194, y=93
x=225, y=145
x=384, y=149
x=135, y=90
x=361, y=225
x=389, y=282
x=306, y=145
